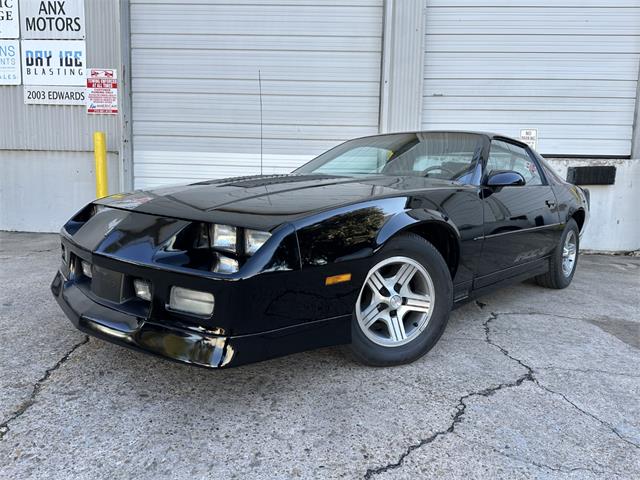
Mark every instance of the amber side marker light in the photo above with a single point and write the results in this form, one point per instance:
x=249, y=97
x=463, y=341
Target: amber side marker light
x=345, y=277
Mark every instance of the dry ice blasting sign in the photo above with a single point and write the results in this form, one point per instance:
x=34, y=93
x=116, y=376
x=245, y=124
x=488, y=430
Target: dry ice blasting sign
x=51, y=62
x=57, y=19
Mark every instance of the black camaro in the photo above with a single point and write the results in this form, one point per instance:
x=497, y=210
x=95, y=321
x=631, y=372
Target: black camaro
x=370, y=244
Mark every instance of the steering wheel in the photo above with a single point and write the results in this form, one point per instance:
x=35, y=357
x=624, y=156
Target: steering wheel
x=426, y=171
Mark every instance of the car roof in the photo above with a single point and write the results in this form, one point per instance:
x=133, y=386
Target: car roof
x=489, y=135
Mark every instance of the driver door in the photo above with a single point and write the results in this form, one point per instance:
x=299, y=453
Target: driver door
x=521, y=222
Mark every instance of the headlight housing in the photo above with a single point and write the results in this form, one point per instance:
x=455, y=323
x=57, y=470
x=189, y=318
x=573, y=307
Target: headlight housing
x=218, y=248
x=228, y=238
x=224, y=237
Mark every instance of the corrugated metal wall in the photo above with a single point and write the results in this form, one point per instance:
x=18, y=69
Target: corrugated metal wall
x=66, y=128
x=566, y=67
x=402, y=65
x=196, y=110
x=46, y=158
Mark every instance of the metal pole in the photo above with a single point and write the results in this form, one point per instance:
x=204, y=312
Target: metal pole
x=100, y=155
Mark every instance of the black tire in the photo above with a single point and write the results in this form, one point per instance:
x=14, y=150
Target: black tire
x=555, y=277
x=418, y=249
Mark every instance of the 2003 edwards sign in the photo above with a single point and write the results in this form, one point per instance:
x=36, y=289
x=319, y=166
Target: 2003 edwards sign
x=52, y=62
x=54, y=95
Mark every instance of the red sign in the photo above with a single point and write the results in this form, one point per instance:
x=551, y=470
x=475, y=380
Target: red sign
x=102, y=91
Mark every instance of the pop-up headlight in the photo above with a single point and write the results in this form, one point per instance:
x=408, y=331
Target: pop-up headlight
x=253, y=240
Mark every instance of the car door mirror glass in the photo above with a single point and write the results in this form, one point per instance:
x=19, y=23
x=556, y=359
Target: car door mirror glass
x=505, y=178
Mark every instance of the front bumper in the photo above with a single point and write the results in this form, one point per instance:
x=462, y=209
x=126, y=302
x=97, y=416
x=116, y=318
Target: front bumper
x=188, y=343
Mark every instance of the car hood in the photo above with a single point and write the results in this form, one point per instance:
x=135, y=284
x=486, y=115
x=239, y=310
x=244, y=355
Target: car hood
x=264, y=202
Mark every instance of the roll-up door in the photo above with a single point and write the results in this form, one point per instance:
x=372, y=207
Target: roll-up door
x=568, y=68
x=195, y=102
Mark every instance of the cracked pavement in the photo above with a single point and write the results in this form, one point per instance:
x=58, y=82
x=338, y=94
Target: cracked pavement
x=525, y=383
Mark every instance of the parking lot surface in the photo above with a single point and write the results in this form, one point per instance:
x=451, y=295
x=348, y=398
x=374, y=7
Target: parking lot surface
x=525, y=383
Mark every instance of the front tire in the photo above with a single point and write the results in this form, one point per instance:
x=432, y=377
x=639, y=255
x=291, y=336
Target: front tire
x=564, y=259
x=404, y=304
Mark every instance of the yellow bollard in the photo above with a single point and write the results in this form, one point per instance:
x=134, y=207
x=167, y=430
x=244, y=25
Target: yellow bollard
x=100, y=155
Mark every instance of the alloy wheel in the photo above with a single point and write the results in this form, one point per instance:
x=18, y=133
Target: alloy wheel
x=396, y=302
x=569, y=252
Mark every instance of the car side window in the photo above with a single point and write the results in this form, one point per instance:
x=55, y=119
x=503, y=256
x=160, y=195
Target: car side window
x=506, y=156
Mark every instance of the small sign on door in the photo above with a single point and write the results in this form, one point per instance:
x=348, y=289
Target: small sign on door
x=530, y=137
x=102, y=91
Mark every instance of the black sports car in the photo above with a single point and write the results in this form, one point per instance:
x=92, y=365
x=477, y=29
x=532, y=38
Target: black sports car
x=370, y=244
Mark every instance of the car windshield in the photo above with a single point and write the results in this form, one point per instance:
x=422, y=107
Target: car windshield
x=444, y=155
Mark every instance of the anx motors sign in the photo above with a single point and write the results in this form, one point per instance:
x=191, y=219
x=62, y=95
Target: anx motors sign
x=57, y=19
x=9, y=26
x=53, y=62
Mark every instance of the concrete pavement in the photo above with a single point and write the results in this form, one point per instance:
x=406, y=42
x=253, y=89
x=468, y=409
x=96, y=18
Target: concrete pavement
x=525, y=383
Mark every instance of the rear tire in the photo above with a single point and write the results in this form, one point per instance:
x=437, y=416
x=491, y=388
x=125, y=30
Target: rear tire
x=404, y=303
x=564, y=259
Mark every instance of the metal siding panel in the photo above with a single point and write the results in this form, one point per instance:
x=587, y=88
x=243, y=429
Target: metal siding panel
x=65, y=128
x=404, y=44
x=195, y=88
x=567, y=68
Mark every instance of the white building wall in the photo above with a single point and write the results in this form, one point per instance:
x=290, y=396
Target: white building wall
x=615, y=212
x=41, y=190
x=195, y=91
x=568, y=68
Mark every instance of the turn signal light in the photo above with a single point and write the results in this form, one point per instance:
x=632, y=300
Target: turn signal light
x=345, y=277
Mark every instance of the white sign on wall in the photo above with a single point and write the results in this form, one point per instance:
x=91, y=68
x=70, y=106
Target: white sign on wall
x=9, y=25
x=57, y=19
x=9, y=62
x=530, y=137
x=54, y=95
x=53, y=62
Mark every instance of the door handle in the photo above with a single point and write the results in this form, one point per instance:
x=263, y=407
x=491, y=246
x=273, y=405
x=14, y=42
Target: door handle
x=550, y=203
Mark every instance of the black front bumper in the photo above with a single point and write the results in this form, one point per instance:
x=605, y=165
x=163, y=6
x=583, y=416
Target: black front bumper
x=192, y=344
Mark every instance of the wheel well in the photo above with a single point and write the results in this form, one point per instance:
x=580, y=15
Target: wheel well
x=441, y=237
x=579, y=216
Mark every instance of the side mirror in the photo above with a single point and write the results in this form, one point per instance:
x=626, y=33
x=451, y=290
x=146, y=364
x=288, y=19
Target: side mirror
x=505, y=178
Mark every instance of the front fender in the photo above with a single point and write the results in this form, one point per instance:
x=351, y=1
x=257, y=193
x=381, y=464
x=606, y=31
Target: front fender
x=412, y=219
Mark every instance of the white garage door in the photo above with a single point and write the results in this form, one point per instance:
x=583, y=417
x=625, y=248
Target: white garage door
x=566, y=67
x=196, y=109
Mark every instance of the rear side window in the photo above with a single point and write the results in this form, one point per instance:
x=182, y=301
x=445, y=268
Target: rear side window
x=506, y=156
